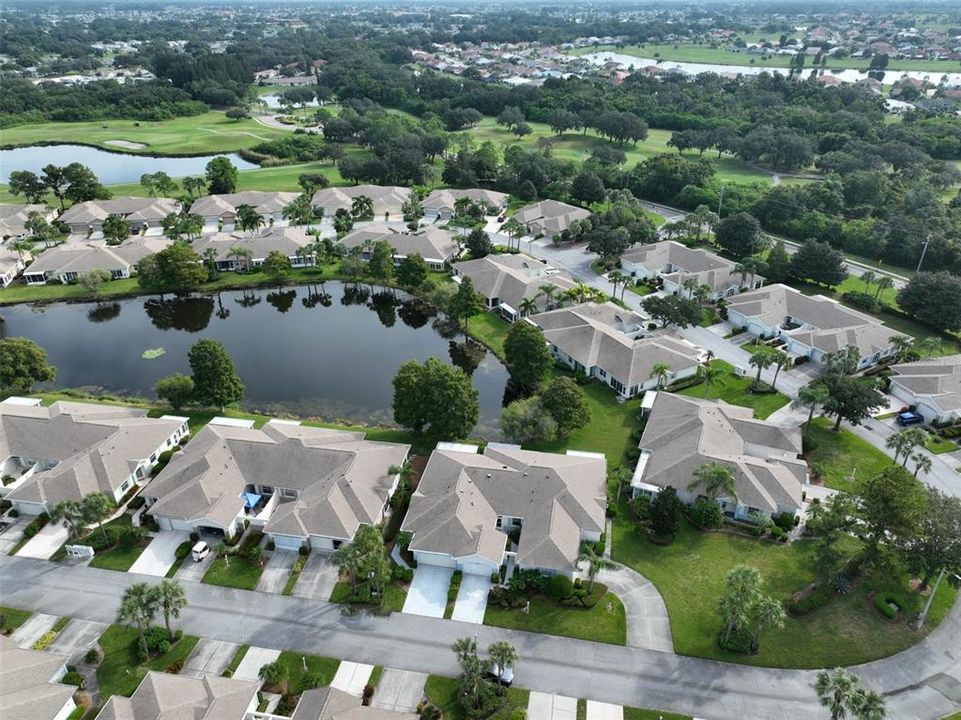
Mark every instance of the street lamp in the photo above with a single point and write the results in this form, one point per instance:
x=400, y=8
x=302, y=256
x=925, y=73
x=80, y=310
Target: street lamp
x=934, y=591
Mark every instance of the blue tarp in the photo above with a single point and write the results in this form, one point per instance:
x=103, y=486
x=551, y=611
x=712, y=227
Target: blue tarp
x=251, y=499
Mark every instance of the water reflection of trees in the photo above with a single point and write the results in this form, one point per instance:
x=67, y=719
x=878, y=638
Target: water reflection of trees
x=354, y=295
x=282, y=300
x=315, y=297
x=191, y=314
x=415, y=313
x=466, y=355
x=248, y=298
x=384, y=304
x=222, y=312
x=103, y=312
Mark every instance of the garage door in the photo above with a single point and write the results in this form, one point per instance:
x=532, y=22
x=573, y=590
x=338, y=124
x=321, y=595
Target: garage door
x=322, y=544
x=476, y=568
x=423, y=558
x=286, y=542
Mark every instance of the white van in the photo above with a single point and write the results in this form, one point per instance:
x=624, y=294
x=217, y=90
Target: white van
x=200, y=551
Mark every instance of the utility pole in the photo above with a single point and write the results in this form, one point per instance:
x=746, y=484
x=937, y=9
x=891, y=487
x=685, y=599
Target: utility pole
x=924, y=250
x=927, y=605
x=720, y=202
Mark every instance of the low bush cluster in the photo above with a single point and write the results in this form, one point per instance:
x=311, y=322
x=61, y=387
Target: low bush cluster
x=888, y=604
x=183, y=550
x=35, y=525
x=250, y=541
x=815, y=600
x=73, y=678
x=44, y=642
x=740, y=641
x=707, y=514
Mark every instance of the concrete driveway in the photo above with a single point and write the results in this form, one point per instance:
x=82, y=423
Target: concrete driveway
x=471, y=603
x=604, y=711
x=210, y=657
x=12, y=535
x=428, y=591
x=33, y=629
x=78, y=637
x=256, y=658
x=317, y=579
x=276, y=571
x=400, y=690
x=159, y=555
x=544, y=706
x=351, y=677
x=194, y=571
x=45, y=543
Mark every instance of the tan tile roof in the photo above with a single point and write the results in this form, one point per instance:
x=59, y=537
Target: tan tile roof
x=25, y=687
x=162, y=696
x=455, y=508
x=341, y=478
x=676, y=262
x=13, y=217
x=445, y=198
x=95, y=447
x=684, y=433
x=97, y=255
x=938, y=379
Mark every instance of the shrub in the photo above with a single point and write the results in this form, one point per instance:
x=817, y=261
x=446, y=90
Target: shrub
x=402, y=574
x=175, y=667
x=815, y=600
x=785, y=520
x=194, y=537
x=73, y=678
x=707, y=514
x=137, y=503
x=519, y=714
x=34, y=526
x=287, y=704
x=888, y=604
x=559, y=587
x=303, y=550
x=183, y=550
x=157, y=641
x=250, y=541
x=91, y=656
x=430, y=712
x=777, y=532
x=44, y=642
x=740, y=641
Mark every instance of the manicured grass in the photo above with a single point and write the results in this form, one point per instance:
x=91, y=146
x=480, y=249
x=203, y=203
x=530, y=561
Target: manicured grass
x=841, y=458
x=633, y=713
x=121, y=671
x=393, y=600
x=547, y=617
x=236, y=660
x=442, y=692
x=734, y=390
x=320, y=671
x=241, y=573
x=690, y=573
x=489, y=329
x=123, y=554
x=210, y=133
x=11, y=619
x=375, y=674
x=937, y=444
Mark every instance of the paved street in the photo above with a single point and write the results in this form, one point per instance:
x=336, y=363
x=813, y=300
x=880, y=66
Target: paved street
x=923, y=680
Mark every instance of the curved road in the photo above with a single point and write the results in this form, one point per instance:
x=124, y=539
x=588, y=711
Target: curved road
x=922, y=683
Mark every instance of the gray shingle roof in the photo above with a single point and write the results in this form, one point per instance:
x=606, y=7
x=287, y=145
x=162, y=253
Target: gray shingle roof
x=444, y=199
x=550, y=217
x=328, y=703
x=341, y=478
x=13, y=217
x=25, y=687
x=134, y=209
x=285, y=240
x=95, y=447
x=455, y=508
x=684, y=433
x=97, y=255
x=385, y=199
x=431, y=243
x=265, y=203
x=938, y=379
x=512, y=278
x=676, y=262
x=163, y=696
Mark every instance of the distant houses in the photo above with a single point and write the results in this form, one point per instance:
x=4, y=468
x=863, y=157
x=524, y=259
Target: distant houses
x=12, y=263
x=548, y=218
x=13, y=218
x=932, y=386
x=86, y=218
x=510, y=282
x=244, y=251
x=442, y=204
x=220, y=211
x=436, y=245
x=387, y=201
x=67, y=263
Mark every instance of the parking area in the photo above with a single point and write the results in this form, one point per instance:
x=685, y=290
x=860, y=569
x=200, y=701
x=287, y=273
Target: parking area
x=544, y=706
x=471, y=603
x=159, y=555
x=45, y=543
x=400, y=690
x=351, y=677
x=317, y=579
x=78, y=637
x=428, y=591
x=210, y=657
x=276, y=571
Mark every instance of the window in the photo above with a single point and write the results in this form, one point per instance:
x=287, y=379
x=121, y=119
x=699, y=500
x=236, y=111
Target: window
x=499, y=523
x=288, y=493
x=601, y=372
x=153, y=458
x=126, y=484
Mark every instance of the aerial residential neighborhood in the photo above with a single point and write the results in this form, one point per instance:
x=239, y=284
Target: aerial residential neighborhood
x=435, y=361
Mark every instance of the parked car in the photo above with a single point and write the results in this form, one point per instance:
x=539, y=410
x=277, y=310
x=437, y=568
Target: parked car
x=908, y=418
x=505, y=677
x=200, y=551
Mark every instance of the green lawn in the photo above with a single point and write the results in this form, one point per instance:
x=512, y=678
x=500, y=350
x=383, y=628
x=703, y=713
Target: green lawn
x=123, y=554
x=11, y=619
x=547, y=617
x=121, y=672
x=937, y=444
x=734, y=390
x=633, y=713
x=236, y=660
x=442, y=692
x=690, y=573
x=393, y=602
x=841, y=458
x=320, y=671
x=241, y=573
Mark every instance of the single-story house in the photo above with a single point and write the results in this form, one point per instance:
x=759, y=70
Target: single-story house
x=812, y=326
x=141, y=213
x=510, y=283
x=70, y=450
x=13, y=218
x=292, y=242
x=549, y=217
x=221, y=210
x=66, y=263
x=684, y=433
x=933, y=386
x=12, y=264
x=441, y=204
x=301, y=485
x=606, y=342
x=476, y=511
x=436, y=245
x=329, y=703
x=30, y=684
x=674, y=263
x=166, y=696
x=388, y=200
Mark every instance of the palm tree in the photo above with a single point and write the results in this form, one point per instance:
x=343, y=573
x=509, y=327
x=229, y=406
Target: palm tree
x=689, y=284
x=620, y=476
x=514, y=230
x=868, y=278
x=348, y=559
x=922, y=463
x=274, y=675
x=811, y=396
x=172, y=599
x=904, y=442
x=362, y=208
x=193, y=225
x=299, y=212
x=929, y=346
x=743, y=584
x=242, y=254
x=21, y=246
x=549, y=291
x=616, y=277
x=867, y=705
x=779, y=359
x=883, y=283
x=71, y=513
x=503, y=654
x=138, y=607
x=717, y=481
x=902, y=344
x=582, y=291
x=249, y=219
x=223, y=551
x=95, y=508
x=194, y=184
x=768, y=612
x=710, y=375
x=836, y=688
x=595, y=563
x=661, y=371
x=762, y=359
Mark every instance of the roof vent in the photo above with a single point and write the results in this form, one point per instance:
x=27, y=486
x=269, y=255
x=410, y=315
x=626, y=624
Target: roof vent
x=488, y=475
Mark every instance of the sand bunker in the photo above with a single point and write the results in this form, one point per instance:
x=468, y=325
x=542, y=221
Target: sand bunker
x=125, y=144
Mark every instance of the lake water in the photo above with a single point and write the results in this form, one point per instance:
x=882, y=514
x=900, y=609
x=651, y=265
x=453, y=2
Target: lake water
x=110, y=167
x=298, y=350
x=273, y=102
x=691, y=68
